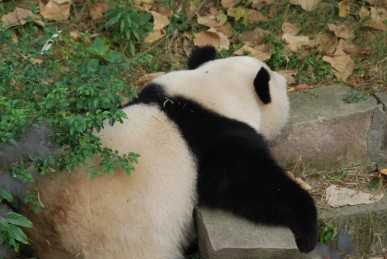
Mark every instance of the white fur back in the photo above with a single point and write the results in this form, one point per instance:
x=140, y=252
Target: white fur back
x=144, y=215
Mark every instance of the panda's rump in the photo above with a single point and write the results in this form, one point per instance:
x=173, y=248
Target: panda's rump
x=115, y=216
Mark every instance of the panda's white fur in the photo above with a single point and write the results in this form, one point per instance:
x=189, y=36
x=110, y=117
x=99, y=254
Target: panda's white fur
x=145, y=215
x=225, y=87
x=150, y=213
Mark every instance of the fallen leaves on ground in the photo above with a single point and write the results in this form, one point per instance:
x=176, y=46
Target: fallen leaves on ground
x=334, y=44
x=342, y=65
x=262, y=52
x=296, y=43
x=307, y=5
x=97, y=10
x=55, y=9
x=344, y=8
x=160, y=21
x=19, y=17
x=341, y=31
x=212, y=37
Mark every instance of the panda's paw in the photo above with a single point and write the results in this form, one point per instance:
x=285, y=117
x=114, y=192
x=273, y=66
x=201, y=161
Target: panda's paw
x=306, y=239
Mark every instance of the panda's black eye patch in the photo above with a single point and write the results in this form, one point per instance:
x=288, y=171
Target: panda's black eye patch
x=201, y=55
x=261, y=84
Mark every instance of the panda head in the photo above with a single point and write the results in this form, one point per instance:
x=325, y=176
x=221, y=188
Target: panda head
x=241, y=88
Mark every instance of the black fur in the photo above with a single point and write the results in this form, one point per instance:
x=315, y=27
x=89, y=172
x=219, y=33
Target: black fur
x=201, y=55
x=236, y=171
x=261, y=84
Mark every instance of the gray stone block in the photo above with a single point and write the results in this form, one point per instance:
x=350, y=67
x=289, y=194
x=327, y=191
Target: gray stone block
x=223, y=235
x=326, y=132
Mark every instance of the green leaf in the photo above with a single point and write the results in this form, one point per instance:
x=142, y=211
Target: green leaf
x=19, y=235
x=375, y=183
x=17, y=219
x=111, y=56
x=6, y=195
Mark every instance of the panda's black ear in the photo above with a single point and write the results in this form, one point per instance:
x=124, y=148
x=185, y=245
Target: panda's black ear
x=201, y=55
x=261, y=84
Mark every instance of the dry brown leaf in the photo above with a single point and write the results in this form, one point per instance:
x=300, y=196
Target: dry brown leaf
x=303, y=87
x=261, y=52
x=255, y=16
x=224, y=41
x=254, y=37
x=148, y=77
x=349, y=48
x=160, y=21
x=379, y=14
x=215, y=11
x=378, y=18
x=307, y=5
x=62, y=1
x=54, y=11
x=75, y=35
x=154, y=36
x=295, y=43
x=375, y=24
x=230, y=3
x=339, y=51
x=342, y=66
x=206, y=38
x=289, y=76
x=272, y=11
x=144, y=5
x=341, y=31
x=19, y=17
x=211, y=21
x=261, y=3
x=249, y=14
x=97, y=10
x=290, y=28
x=226, y=29
x=300, y=182
x=326, y=43
x=363, y=12
x=384, y=171
x=344, y=8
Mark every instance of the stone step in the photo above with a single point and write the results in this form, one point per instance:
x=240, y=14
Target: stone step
x=327, y=133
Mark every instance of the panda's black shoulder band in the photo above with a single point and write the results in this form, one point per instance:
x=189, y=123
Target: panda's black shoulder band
x=151, y=93
x=201, y=55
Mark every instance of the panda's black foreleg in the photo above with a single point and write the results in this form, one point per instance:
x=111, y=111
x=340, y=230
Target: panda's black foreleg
x=238, y=174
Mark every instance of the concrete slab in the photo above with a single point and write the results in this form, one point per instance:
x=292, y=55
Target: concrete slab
x=326, y=132
x=223, y=235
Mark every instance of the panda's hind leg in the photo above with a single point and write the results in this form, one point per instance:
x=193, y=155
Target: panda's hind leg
x=239, y=175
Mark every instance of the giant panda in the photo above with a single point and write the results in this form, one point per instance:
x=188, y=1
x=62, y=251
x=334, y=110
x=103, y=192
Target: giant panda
x=202, y=137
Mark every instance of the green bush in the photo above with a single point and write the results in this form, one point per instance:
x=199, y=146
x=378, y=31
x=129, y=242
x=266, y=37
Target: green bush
x=126, y=22
x=50, y=106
